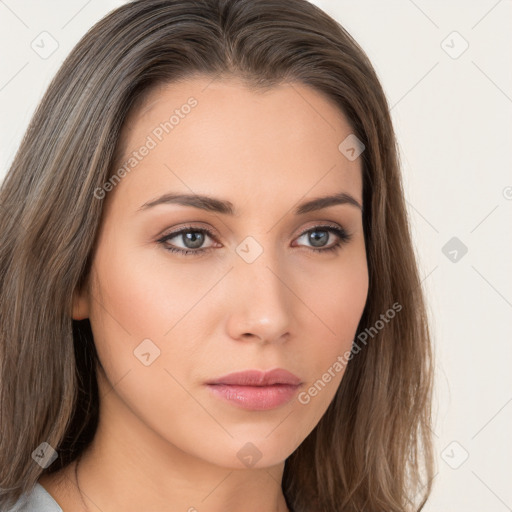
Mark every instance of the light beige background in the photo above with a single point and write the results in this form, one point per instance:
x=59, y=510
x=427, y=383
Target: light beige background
x=452, y=109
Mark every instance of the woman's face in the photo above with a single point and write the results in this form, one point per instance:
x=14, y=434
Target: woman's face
x=260, y=287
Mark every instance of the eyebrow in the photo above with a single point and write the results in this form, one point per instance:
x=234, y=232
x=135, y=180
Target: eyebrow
x=225, y=207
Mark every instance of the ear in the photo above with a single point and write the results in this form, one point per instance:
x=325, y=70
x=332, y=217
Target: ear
x=81, y=303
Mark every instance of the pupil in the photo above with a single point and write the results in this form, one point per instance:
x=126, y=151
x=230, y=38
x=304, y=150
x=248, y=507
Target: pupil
x=196, y=239
x=314, y=239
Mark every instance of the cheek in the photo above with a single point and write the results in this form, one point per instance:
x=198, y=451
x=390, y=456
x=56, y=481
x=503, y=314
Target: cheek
x=136, y=301
x=143, y=292
x=337, y=302
x=337, y=296
x=138, y=295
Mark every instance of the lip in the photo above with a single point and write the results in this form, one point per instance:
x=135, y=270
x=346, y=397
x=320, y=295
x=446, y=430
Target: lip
x=258, y=378
x=256, y=390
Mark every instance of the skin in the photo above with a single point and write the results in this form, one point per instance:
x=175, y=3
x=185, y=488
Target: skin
x=164, y=442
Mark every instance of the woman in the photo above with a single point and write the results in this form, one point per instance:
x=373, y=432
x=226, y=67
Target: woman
x=210, y=299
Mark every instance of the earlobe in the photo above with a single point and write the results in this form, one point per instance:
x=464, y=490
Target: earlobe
x=80, y=304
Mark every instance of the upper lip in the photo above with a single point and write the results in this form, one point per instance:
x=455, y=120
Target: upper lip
x=258, y=378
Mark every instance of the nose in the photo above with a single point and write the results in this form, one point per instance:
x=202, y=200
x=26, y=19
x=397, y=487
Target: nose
x=261, y=301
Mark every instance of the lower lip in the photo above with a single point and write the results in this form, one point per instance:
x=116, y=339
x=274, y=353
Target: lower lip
x=255, y=398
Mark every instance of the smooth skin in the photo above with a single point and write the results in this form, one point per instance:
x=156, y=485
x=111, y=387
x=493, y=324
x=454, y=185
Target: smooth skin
x=164, y=442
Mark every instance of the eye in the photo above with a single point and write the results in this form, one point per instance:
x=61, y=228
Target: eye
x=193, y=238
x=319, y=235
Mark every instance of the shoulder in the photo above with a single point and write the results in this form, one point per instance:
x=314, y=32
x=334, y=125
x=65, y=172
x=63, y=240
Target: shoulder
x=36, y=500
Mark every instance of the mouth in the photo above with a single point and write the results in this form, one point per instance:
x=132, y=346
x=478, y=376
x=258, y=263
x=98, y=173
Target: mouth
x=256, y=390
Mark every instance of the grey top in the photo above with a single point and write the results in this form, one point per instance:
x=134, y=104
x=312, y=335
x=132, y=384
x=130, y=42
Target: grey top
x=36, y=500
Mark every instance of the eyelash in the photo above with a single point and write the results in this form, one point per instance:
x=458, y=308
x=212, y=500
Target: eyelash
x=343, y=237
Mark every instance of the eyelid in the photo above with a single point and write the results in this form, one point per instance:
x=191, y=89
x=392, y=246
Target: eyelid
x=188, y=227
x=321, y=224
x=213, y=233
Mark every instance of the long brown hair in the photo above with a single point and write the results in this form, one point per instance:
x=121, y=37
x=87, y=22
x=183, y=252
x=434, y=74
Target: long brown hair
x=372, y=449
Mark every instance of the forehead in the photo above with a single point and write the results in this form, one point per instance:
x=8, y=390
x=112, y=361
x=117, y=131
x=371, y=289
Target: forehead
x=220, y=136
